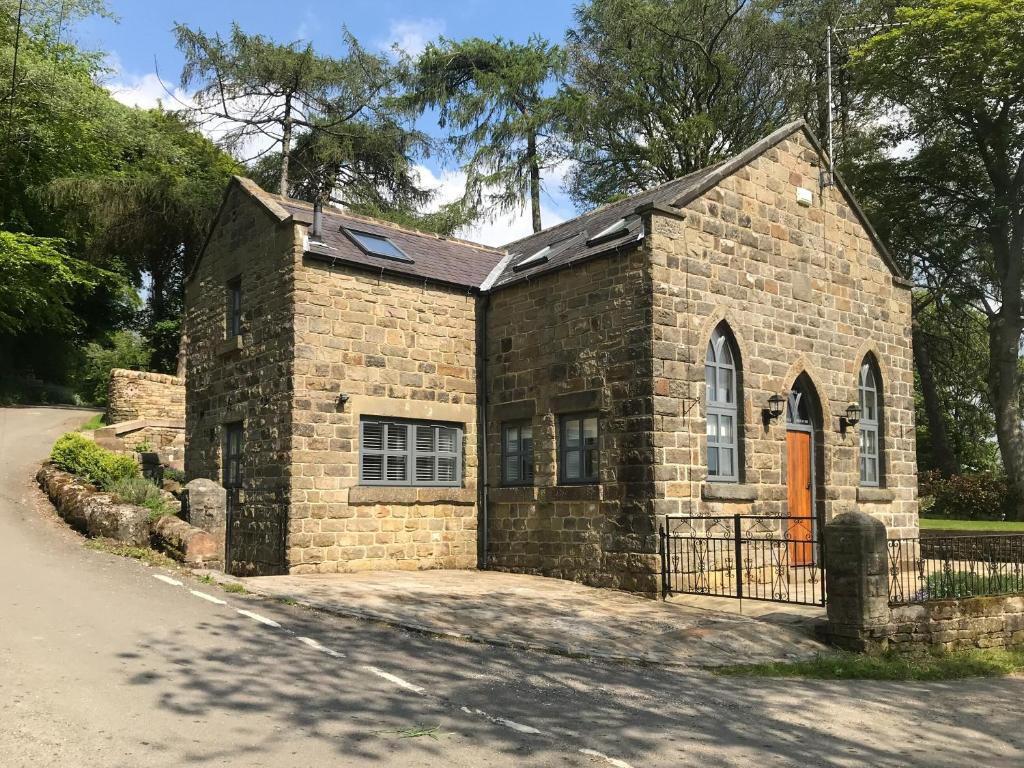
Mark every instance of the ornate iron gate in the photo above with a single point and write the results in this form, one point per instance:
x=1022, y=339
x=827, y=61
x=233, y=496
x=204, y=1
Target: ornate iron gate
x=753, y=557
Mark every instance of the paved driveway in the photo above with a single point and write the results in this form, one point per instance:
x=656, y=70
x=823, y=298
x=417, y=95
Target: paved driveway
x=550, y=614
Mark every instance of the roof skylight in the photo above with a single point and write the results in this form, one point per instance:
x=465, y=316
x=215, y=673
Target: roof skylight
x=376, y=245
x=540, y=257
x=613, y=230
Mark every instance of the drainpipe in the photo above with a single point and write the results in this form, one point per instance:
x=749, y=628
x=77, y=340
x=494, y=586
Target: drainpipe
x=482, y=303
x=316, y=233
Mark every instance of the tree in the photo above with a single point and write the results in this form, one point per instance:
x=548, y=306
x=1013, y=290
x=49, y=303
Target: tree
x=661, y=88
x=39, y=282
x=953, y=72
x=153, y=209
x=496, y=98
x=328, y=115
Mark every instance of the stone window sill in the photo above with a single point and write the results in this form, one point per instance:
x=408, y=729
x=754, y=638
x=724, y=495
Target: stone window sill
x=226, y=347
x=875, y=495
x=388, y=494
x=728, y=492
x=513, y=493
x=571, y=493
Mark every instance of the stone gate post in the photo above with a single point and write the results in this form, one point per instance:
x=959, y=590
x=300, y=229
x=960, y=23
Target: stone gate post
x=857, y=583
x=206, y=508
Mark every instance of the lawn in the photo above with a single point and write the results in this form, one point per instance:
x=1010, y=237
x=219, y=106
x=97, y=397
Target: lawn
x=856, y=666
x=985, y=526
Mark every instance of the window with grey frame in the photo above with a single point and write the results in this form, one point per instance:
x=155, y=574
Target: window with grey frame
x=578, y=451
x=234, y=308
x=721, y=409
x=869, y=426
x=403, y=452
x=517, y=453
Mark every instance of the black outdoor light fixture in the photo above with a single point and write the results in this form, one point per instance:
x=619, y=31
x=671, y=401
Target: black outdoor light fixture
x=850, y=419
x=342, y=400
x=774, y=409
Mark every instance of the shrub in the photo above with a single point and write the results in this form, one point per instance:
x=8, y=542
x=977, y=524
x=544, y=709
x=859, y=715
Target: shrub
x=174, y=474
x=80, y=456
x=975, y=496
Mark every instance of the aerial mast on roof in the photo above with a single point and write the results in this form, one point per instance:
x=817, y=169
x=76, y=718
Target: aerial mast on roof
x=828, y=176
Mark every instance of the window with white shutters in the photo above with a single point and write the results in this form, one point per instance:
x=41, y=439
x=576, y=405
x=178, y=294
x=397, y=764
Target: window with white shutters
x=399, y=452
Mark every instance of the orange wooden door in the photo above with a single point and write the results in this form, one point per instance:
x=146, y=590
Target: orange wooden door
x=798, y=480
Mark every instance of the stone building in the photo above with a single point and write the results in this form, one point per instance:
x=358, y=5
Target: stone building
x=691, y=350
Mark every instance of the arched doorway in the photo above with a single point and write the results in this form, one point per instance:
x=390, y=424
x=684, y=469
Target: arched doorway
x=803, y=421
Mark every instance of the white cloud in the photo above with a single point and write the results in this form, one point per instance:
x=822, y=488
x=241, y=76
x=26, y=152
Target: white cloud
x=412, y=35
x=504, y=228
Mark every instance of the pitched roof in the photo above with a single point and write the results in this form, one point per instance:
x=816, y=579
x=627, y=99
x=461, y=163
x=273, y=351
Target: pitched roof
x=613, y=227
x=576, y=240
x=432, y=257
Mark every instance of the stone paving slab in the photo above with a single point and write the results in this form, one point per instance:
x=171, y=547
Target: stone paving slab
x=551, y=615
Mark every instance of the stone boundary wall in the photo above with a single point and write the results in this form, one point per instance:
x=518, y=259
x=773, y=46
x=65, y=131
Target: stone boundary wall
x=956, y=625
x=101, y=515
x=861, y=619
x=137, y=395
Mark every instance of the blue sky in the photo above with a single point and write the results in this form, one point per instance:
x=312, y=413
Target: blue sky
x=140, y=44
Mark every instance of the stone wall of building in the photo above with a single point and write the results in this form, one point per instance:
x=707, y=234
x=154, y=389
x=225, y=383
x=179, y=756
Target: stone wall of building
x=575, y=341
x=248, y=378
x=397, y=347
x=803, y=290
x=134, y=395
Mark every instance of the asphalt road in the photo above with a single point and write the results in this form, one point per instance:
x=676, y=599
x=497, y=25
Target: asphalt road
x=104, y=664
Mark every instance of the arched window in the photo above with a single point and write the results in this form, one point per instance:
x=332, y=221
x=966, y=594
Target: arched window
x=869, y=389
x=720, y=379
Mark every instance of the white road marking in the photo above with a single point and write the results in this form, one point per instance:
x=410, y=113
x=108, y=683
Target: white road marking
x=394, y=679
x=260, y=619
x=322, y=648
x=610, y=760
x=167, y=580
x=509, y=723
x=210, y=598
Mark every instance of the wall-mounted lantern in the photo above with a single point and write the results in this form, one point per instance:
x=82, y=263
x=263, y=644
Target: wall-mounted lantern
x=342, y=400
x=850, y=419
x=774, y=409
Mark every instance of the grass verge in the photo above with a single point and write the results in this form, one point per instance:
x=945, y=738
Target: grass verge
x=145, y=554
x=983, y=526
x=94, y=423
x=856, y=666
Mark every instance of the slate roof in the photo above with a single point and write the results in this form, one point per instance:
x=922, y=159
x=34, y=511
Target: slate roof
x=478, y=267
x=571, y=241
x=434, y=258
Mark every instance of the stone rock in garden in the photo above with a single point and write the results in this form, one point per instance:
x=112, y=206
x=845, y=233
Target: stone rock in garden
x=110, y=519
x=93, y=513
x=186, y=543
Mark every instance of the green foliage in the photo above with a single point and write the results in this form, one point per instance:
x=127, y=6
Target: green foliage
x=96, y=422
x=125, y=350
x=974, y=496
x=951, y=74
x=855, y=666
x=75, y=454
x=495, y=98
x=979, y=526
x=40, y=281
x=175, y=475
x=958, y=585
x=336, y=137
x=661, y=88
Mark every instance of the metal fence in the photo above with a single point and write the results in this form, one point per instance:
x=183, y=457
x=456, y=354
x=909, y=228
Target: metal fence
x=753, y=557
x=953, y=567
